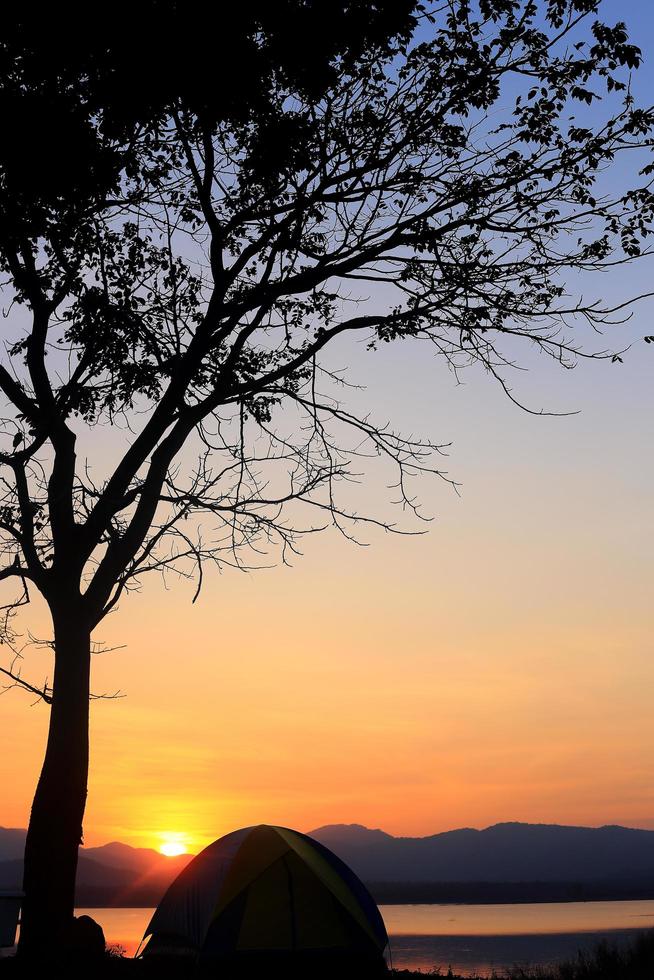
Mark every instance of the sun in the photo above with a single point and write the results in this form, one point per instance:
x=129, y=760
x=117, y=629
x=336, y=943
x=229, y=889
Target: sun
x=173, y=845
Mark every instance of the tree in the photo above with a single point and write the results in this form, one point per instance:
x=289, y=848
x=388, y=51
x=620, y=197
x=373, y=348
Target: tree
x=188, y=221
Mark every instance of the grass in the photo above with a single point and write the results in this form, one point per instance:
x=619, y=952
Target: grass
x=605, y=962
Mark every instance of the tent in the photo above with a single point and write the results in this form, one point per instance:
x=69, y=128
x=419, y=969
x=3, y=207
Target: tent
x=263, y=895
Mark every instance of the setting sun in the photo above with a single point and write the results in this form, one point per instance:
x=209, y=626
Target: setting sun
x=173, y=845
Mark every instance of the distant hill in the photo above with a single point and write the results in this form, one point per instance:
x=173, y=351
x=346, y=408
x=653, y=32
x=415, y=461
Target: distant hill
x=12, y=843
x=114, y=874
x=507, y=852
x=506, y=862
x=114, y=855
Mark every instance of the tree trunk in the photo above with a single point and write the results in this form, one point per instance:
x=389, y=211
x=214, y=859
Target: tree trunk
x=55, y=828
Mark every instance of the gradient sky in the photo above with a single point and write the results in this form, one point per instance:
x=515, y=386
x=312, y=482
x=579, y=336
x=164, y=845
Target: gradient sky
x=497, y=668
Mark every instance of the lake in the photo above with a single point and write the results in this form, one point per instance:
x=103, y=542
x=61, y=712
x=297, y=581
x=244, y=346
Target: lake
x=472, y=939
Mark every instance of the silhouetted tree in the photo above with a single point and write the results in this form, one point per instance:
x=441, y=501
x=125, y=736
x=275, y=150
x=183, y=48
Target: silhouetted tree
x=188, y=218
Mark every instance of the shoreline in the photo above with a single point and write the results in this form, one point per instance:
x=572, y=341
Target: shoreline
x=94, y=898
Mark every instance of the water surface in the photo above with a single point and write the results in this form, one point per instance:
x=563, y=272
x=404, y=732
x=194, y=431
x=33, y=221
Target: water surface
x=472, y=939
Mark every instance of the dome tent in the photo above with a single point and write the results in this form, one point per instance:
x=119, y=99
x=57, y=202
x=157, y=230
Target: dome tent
x=269, y=893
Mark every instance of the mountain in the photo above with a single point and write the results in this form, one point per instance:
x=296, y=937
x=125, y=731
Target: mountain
x=140, y=859
x=12, y=843
x=506, y=852
x=114, y=874
x=505, y=862
x=114, y=855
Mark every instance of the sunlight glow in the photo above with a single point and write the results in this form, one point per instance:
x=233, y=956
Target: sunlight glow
x=173, y=845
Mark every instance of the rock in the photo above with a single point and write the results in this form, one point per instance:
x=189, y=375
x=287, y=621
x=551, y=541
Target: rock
x=86, y=937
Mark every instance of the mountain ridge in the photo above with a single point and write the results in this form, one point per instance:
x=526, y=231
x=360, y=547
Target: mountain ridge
x=508, y=851
x=507, y=859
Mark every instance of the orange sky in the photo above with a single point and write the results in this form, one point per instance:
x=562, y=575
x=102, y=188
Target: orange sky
x=498, y=668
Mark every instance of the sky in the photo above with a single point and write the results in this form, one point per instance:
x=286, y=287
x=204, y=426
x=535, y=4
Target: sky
x=498, y=667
